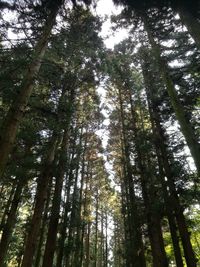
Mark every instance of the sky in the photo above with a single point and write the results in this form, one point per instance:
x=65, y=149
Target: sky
x=106, y=8
x=103, y=8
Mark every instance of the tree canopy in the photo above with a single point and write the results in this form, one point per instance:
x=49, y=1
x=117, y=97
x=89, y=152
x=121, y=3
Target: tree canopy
x=99, y=147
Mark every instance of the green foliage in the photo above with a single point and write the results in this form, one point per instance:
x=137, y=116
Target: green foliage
x=113, y=200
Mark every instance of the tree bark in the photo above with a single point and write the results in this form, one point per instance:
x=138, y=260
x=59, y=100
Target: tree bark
x=79, y=237
x=154, y=113
x=96, y=229
x=40, y=198
x=65, y=219
x=8, y=227
x=172, y=199
x=137, y=257
x=53, y=224
x=7, y=207
x=16, y=112
x=185, y=125
x=153, y=218
x=43, y=228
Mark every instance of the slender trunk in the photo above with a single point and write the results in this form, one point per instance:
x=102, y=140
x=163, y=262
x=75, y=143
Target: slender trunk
x=175, y=203
x=169, y=211
x=86, y=227
x=85, y=214
x=106, y=240
x=173, y=199
x=70, y=241
x=123, y=204
x=71, y=249
x=53, y=224
x=96, y=230
x=67, y=208
x=79, y=239
x=1, y=196
x=43, y=228
x=16, y=112
x=137, y=257
x=147, y=184
x=185, y=125
x=40, y=198
x=64, y=223
x=8, y=227
x=102, y=239
x=153, y=111
x=6, y=210
x=175, y=238
x=87, y=259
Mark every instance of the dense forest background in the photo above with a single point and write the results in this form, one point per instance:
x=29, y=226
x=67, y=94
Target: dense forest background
x=99, y=147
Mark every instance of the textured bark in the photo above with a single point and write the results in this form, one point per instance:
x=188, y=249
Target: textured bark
x=185, y=125
x=96, y=230
x=71, y=236
x=87, y=246
x=137, y=257
x=158, y=138
x=16, y=112
x=180, y=218
x=65, y=220
x=106, y=240
x=11, y=218
x=80, y=232
x=153, y=218
x=173, y=200
x=53, y=224
x=65, y=223
x=7, y=207
x=40, y=198
x=43, y=227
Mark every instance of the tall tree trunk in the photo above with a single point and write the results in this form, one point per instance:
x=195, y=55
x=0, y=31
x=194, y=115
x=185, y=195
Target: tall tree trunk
x=153, y=218
x=43, y=228
x=65, y=221
x=16, y=112
x=185, y=125
x=102, y=240
x=7, y=207
x=124, y=214
x=79, y=239
x=96, y=230
x=16, y=194
x=106, y=240
x=153, y=111
x=87, y=227
x=171, y=220
x=67, y=208
x=70, y=249
x=41, y=195
x=53, y=224
x=173, y=200
x=8, y=227
x=137, y=257
x=87, y=246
